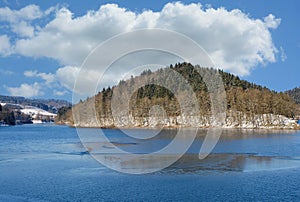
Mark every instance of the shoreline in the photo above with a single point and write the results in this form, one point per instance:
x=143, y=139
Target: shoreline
x=243, y=121
x=294, y=128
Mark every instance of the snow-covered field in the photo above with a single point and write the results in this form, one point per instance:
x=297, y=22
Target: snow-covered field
x=30, y=110
x=35, y=111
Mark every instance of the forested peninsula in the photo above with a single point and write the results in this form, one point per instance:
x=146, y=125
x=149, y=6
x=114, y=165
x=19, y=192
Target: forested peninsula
x=248, y=105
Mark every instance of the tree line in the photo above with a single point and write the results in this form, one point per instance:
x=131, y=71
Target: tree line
x=295, y=94
x=241, y=96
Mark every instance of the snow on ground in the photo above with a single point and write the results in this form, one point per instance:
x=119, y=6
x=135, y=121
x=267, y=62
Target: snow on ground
x=34, y=111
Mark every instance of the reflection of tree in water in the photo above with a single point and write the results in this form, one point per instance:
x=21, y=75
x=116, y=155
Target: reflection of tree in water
x=230, y=162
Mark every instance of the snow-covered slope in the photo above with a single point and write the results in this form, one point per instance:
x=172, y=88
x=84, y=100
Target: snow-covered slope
x=33, y=111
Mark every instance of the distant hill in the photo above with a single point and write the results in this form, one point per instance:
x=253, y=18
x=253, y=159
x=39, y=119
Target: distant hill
x=50, y=105
x=20, y=110
x=248, y=104
x=295, y=94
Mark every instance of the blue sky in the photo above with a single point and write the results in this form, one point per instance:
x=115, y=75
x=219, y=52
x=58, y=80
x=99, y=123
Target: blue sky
x=43, y=43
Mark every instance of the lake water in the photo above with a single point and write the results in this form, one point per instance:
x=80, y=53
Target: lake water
x=48, y=163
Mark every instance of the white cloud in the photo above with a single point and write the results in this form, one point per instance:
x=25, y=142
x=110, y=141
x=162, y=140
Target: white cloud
x=60, y=93
x=93, y=78
x=69, y=40
x=235, y=41
x=25, y=90
x=23, y=29
x=5, y=46
x=30, y=12
x=87, y=84
x=20, y=20
x=67, y=76
x=271, y=21
x=49, y=78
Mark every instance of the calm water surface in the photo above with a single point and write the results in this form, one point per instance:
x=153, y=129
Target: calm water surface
x=48, y=163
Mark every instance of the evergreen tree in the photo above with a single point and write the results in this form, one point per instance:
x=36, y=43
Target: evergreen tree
x=243, y=97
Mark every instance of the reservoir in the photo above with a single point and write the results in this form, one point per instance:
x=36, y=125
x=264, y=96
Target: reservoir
x=46, y=162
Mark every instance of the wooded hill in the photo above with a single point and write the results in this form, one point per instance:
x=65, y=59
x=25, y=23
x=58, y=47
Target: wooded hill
x=50, y=105
x=10, y=113
x=242, y=97
x=295, y=94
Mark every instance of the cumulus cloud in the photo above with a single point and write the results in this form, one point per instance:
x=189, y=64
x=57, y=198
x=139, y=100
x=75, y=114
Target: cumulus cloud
x=271, y=21
x=20, y=20
x=235, y=41
x=92, y=77
x=48, y=78
x=26, y=90
x=87, y=84
x=69, y=39
x=23, y=29
x=37, y=88
x=30, y=12
x=67, y=76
